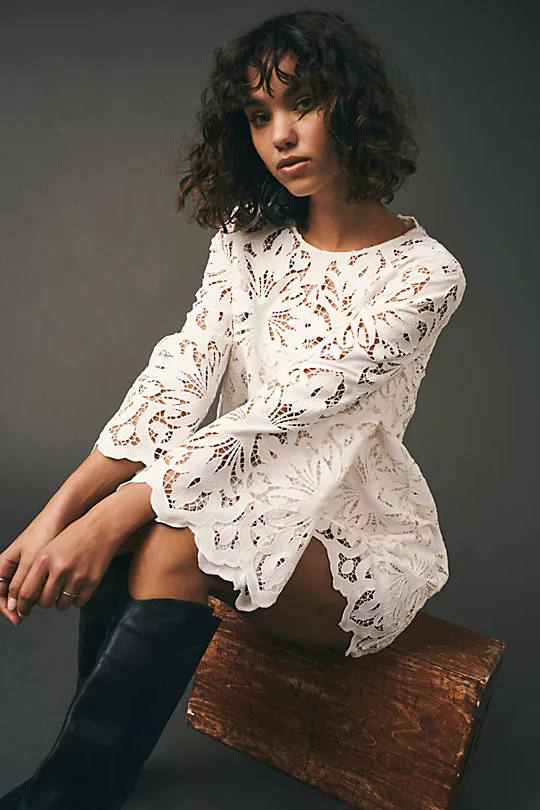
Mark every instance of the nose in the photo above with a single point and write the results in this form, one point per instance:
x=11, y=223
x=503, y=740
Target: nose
x=283, y=132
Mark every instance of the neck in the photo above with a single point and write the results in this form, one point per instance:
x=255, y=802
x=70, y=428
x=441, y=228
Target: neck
x=349, y=226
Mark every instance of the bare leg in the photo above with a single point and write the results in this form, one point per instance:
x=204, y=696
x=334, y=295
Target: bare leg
x=134, y=539
x=307, y=611
x=164, y=565
x=309, y=608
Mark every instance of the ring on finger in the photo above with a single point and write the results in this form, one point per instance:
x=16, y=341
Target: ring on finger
x=72, y=595
x=5, y=579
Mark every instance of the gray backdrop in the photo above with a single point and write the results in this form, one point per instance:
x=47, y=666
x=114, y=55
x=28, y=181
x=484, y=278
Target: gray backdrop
x=96, y=267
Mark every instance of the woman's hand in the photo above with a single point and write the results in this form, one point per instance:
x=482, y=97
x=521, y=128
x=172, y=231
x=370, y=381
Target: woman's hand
x=25, y=548
x=75, y=561
x=76, y=558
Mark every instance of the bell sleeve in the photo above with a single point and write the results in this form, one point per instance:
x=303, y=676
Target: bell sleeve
x=171, y=396
x=243, y=483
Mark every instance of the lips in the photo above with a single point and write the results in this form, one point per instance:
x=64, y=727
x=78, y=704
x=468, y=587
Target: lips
x=290, y=161
x=293, y=169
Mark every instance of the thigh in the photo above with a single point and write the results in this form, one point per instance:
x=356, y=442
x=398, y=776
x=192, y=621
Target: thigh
x=134, y=540
x=308, y=609
x=159, y=549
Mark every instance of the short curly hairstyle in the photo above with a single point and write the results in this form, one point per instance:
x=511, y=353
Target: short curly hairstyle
x=366, y=114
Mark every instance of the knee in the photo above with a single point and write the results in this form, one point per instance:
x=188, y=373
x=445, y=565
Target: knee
x=165, y=549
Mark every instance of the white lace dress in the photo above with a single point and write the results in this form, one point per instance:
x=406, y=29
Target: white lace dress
x=320, y=355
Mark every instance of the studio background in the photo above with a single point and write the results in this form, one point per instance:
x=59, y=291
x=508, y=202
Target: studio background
x=97, y=266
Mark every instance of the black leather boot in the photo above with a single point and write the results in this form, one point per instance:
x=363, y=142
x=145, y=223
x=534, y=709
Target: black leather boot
x=95, y=619
x=100, y=612
x=121, y=709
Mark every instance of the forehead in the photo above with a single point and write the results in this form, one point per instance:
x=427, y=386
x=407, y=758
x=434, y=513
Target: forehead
x=257, y=94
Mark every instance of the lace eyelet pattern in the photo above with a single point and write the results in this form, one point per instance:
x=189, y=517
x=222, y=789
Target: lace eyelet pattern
x=318, y=358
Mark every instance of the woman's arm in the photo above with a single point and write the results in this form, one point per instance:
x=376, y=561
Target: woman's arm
x=169, y=398
x=96, y=478
x=86, y=489
x=75, y=558
x=166, y=401
x=162, y=408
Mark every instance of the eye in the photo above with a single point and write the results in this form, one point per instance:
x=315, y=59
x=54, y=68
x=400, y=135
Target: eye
x=309, y=99
x=254, y=118
x=305, y=98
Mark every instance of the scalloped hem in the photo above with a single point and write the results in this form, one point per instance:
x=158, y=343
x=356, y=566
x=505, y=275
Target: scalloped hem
x=370, y=576
x=360, y=645
x=121, y=452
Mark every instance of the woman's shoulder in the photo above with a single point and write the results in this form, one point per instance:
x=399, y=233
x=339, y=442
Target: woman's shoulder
x=431, y=246
x=247, y=243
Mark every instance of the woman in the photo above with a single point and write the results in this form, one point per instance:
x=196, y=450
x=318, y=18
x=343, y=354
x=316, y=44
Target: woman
x=299, y=504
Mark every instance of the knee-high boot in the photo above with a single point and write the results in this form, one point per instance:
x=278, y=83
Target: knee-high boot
x=121, y=709
x=95, y=619
x=100, y=613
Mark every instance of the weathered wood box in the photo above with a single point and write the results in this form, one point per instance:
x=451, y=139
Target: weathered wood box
x=394, y=730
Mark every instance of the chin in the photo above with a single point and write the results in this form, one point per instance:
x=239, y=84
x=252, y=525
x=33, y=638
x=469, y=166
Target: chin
x=299, y=189
x=300, y=193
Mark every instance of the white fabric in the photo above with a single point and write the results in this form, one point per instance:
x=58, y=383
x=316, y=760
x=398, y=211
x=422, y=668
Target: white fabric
x=321, y=355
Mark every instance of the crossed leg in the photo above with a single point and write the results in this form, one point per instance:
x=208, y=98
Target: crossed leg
x=307, y=611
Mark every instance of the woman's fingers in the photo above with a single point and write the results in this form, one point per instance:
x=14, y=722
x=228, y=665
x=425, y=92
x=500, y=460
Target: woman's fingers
x=9, y=561
x=11, y=615
x=84, y=594
x=40, y=580
x=46, y=580
x=27, y=584
x=73, y=561
x=63, y=601
x=49, y=591
x=8, y=566
x=14, y=600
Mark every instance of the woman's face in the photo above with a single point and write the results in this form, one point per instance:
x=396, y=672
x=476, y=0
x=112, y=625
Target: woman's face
x=288, y=124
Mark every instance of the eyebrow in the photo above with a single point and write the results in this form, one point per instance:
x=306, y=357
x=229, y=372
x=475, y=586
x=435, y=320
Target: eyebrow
x=291, y=89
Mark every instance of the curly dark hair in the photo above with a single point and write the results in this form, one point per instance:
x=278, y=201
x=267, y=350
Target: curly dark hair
x=366, y=114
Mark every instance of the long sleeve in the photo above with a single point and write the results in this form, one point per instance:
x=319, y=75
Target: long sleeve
x=171, y=396
x=246, y=474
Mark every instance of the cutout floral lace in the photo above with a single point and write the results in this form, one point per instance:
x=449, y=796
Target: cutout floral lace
x=320, y=357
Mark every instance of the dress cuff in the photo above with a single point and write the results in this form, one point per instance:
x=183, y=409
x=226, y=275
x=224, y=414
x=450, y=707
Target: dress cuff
x=153, y=476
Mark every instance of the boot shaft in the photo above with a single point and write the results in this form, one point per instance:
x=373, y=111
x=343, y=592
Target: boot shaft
x=120, y=711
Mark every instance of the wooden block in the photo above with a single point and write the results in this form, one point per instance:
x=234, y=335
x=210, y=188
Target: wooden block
x=394, y=730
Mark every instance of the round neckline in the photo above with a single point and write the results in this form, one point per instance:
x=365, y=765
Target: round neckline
x=404, y=217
